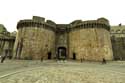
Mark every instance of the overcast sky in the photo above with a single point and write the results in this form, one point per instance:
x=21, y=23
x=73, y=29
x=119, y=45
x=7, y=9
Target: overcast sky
x=61, y=11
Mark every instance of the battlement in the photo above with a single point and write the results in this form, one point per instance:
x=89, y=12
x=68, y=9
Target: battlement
x=103, y=20
x=38, y=19
x=77, y=24
x=36, y=22
x=7, y=38
x=62, y=27
x=99, y=23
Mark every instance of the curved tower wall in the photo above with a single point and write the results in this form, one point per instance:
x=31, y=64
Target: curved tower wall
x=90, y=40
x=87, y=40
x=34, y=40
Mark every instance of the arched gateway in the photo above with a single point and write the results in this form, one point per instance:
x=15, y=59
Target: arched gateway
x=88, y=40
x=61, y=53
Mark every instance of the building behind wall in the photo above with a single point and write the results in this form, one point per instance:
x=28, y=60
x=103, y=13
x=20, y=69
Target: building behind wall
x=6, y=42
x=40, y=39
x=118, y=41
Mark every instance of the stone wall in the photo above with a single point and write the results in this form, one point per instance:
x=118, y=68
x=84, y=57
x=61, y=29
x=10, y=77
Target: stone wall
x=90, y=41
x=6, y=45
x=6, y=42
x=62, y=37
x=118, y=41
x=34, y=41
x=90, y=44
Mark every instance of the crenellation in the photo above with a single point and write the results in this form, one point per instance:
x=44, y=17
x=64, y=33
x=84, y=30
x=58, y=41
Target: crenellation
x=103, y=20
x=31, y=23
x=76, y=22
x=38, y=19
x=38, y=39
x=50, y=22
x=91, y=25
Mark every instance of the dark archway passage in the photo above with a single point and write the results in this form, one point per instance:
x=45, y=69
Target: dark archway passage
x=74, y=56
x=49, y=55
x=61, y=53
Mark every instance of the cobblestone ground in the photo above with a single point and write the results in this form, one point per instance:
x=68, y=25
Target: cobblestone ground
x=22, y=71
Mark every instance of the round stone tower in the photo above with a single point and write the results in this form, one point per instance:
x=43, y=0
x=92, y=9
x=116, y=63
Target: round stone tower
x=80, y=40
x=35, y=39
x=90, y=40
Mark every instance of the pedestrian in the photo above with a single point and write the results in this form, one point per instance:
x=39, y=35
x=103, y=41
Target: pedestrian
x=41, y=59
x=2, y=59
x=103, y=61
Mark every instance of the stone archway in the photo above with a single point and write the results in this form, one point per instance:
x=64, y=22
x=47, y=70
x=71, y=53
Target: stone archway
x=61, y=53
x=49, y=55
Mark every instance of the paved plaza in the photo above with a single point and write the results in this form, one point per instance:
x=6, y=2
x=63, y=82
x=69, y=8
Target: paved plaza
x=28, y=71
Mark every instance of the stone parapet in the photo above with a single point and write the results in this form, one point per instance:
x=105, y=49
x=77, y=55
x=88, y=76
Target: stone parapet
x=99, y=23
x=8, y=38
x=38, y=19
x=39, y=24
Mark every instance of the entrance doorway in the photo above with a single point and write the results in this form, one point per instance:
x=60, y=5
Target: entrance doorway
x=49, y=55
x=61, y=53
x=74, y=56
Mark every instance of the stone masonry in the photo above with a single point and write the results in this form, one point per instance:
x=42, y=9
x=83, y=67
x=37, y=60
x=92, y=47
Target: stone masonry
x=118, y=41
x=40, y=39
x=91, y=40
x=6, y=42
x=35, y=39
